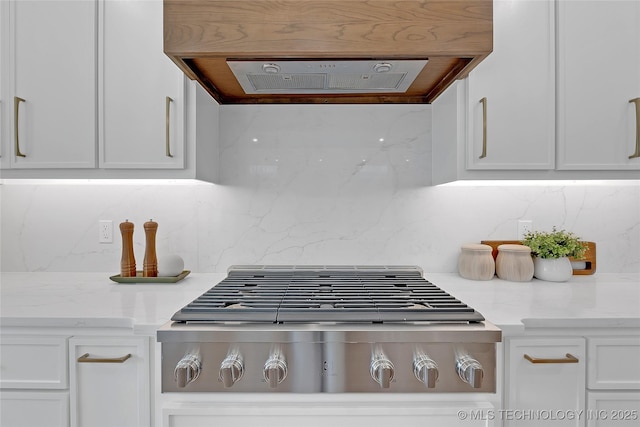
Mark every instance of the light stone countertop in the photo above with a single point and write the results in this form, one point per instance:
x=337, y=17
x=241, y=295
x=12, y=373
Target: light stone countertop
x=93, y=300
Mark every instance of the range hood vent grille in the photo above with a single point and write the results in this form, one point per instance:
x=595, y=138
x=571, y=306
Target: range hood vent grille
x=312, y=76
x=269, y=82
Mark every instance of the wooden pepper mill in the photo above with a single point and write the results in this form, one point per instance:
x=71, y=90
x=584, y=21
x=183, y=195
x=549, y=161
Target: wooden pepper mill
x=150, y=266
x=128, y=261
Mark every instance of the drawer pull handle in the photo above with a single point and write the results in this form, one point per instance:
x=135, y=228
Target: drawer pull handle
x=636, y=154
x=569, y=358
x=85, y=358
x=483, y=101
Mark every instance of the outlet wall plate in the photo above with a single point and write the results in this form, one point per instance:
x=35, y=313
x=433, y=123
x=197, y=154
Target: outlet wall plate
x=105, y=231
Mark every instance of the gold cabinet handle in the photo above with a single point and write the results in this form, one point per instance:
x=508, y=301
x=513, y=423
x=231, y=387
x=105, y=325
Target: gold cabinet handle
x=483, y=101
x=636, y=154
x=167, y=121
x=85, y=358
x=16, y=122
x=569, y=358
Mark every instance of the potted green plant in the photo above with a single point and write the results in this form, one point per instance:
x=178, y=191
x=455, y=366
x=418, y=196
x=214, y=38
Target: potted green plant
x=550, y=250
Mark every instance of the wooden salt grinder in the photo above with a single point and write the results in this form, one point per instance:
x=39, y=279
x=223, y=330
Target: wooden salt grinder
x=150, y=259
x=128, y=261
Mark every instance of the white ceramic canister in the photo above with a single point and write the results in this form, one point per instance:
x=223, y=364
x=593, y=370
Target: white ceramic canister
x=476, y=262
x=514, y=263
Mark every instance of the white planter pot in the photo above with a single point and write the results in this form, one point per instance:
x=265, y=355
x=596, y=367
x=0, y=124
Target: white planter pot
x=552, y=269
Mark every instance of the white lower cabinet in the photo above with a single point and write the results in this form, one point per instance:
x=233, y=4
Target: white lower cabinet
x=589, y=380
x=544, y=382
x=33, y=362
x=613, y=408
x=34, y=381
x=34, y=409
x=613, y=380
x=59, y=378
x=614, y=363
x=109, y=381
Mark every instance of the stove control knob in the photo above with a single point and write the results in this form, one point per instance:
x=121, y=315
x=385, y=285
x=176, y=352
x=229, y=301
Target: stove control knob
x=187, y=370
x=231, y=369
x=382, y=370
x=426, y=370
x=275, y=370
x=470, y=371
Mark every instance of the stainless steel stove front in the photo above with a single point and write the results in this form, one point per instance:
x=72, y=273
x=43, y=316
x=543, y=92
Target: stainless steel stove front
x=321, y=358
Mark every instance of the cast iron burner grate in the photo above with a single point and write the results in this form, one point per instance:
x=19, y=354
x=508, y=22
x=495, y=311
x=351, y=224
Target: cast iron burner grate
x=326, y=294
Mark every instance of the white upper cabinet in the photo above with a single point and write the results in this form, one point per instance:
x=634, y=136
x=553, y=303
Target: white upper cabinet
x=51, y=95
x=3, y=101
x=598, y=75
x=514, y=89
x=142, y=92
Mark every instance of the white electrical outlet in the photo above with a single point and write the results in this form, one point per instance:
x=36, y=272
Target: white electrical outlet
x=105, y=227
x=524, y=226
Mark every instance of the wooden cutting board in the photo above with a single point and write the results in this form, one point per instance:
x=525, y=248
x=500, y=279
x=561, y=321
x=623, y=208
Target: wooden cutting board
x=589, y=256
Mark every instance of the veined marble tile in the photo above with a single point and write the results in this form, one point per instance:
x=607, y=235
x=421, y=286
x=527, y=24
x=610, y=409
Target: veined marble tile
x=54, y=227
x=314, y=149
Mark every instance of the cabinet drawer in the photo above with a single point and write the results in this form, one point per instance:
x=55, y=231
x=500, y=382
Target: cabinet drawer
x=294, y=414
x=613, y=363
x=33, y=362
x=612, y=408
x=34, y=408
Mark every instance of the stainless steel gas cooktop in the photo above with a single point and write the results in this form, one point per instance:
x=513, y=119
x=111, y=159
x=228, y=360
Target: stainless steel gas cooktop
x=328, y=329
x=277, y=294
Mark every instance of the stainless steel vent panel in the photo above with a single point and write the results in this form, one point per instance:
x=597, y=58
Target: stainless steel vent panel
x=313, y=76
x=383, y=81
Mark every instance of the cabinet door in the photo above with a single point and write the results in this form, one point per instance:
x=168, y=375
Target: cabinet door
x=598, y=74
x=142, y=91
x=517, y=80
x=107, y=387
x=34, y=409
x=551, y=387
x=52, y=97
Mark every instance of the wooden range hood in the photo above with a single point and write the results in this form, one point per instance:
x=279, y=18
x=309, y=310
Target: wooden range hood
x=200, y=36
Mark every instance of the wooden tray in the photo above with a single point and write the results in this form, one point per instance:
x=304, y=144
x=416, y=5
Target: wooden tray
x=140, y=279
x=589, y=257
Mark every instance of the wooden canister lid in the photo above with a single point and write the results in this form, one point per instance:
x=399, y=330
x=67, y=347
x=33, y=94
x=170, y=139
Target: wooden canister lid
x=476, y=247
x=514, y=248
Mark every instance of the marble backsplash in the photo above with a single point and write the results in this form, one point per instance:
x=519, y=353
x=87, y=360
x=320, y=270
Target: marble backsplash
x=304, y=185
